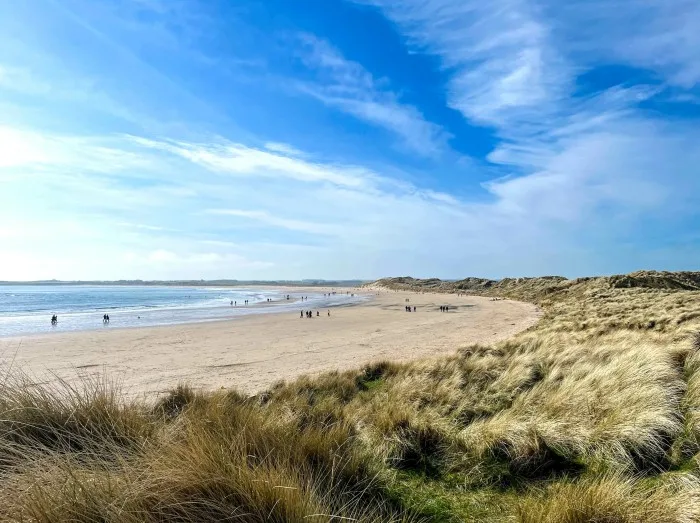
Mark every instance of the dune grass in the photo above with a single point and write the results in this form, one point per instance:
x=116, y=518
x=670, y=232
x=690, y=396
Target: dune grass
x=590, y=416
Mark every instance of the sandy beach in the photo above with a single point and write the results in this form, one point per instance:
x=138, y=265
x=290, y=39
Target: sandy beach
x=253, y=352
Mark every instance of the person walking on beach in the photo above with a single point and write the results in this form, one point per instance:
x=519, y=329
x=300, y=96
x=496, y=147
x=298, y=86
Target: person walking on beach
x=302, y=314
x=329, y=313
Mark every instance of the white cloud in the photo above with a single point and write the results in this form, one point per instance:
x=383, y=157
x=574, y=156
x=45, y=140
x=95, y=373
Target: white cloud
x=658, y=35
x=276, y=221
x=28, y=148
x=283, y=148
x=513, y=64
x=502, y=65
x=143, y=226
x=350, y=88
x=233, y=158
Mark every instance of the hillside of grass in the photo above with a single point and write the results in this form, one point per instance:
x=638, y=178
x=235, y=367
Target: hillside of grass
x=593, y=415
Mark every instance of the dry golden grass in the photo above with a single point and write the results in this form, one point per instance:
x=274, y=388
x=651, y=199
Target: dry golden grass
x=591, y=416
x=613, y=499
x=83, y=457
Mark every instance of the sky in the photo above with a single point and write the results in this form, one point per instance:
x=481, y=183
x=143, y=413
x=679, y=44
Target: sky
x=338, y=139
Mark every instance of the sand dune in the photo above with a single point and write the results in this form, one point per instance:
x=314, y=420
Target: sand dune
x=253, y=352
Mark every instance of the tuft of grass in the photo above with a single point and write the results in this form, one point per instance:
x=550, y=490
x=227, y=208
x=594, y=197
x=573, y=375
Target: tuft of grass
x=214, y=457
x=610, y=499
x=175, y=401
x=90, y=421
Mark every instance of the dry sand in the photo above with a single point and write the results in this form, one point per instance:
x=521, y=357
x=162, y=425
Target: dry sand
x=251, y=353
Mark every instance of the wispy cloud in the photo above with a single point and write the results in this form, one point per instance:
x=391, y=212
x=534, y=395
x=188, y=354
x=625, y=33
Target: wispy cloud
x=283, y=148
x=276, y=221
x=143, y=226
x=502, y=66
x=513, y=64
x=238, y=159
x=349, y=87
x=661, y=36
x=20, y=147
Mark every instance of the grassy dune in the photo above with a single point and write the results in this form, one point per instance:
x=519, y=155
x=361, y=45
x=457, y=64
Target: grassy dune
x=591, y=416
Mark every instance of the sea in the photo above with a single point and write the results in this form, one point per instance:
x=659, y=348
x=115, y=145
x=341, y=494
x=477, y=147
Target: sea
x=27, y=309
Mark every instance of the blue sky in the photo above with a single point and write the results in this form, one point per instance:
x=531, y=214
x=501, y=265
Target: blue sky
x=164, y=139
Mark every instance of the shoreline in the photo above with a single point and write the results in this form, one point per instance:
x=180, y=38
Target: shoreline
x=219, y=313
x=211, y=284
x=251, y=352
x=221, y=319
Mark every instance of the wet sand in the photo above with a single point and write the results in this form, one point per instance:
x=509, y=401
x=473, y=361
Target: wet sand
x=253, y=352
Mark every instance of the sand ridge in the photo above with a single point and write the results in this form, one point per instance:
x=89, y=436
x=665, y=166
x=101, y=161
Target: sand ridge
x=251, y=353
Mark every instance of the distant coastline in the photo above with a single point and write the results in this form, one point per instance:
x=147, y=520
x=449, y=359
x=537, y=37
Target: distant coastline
x=198, y=283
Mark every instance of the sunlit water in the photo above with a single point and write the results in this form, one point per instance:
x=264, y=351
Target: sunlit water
x=27, y=309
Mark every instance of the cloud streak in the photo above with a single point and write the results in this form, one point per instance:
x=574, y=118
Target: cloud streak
x=237, y=159
x=276, y=221
x=347, y=86
x=502, y=67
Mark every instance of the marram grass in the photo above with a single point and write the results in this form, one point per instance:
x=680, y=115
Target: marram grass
x=591, y=416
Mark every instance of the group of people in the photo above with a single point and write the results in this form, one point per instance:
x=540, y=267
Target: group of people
x=444, y=308
x=310, y=314
x=105, y=319
x=408, y=308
